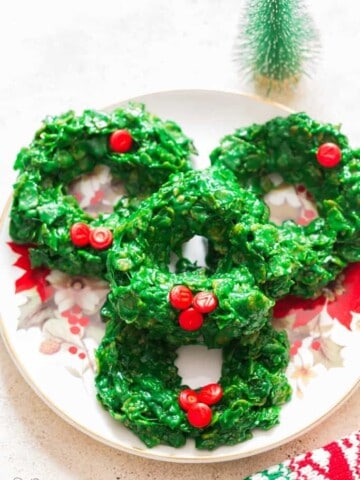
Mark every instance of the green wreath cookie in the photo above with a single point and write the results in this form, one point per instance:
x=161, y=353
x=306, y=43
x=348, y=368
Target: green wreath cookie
x=139, y=148
x=138, y=383
x=319, y=157
x=250, y=259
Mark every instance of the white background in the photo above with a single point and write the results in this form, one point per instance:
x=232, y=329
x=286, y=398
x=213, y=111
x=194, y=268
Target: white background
x=85, y=54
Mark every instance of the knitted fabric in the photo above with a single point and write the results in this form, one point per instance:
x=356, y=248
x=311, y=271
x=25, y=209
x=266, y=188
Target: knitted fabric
x=338, y=460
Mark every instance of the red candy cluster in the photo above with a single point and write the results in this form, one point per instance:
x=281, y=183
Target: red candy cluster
x=197, y=405
x=82, y=235
x=193, y=306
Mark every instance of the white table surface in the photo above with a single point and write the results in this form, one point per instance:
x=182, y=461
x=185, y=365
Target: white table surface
x=78, y=54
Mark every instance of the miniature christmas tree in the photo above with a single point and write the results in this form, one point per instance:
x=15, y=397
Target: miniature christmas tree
x=277, y=40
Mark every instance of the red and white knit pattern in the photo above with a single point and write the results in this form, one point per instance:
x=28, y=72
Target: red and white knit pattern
x=338, y=460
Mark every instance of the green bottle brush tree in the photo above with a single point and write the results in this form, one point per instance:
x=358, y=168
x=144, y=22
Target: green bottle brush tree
x=276, y=43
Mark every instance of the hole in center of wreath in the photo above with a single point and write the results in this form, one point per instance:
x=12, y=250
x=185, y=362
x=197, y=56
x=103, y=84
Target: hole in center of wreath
x=194, y=253
x=97, y=191
x=198, y=365
x=290, y=202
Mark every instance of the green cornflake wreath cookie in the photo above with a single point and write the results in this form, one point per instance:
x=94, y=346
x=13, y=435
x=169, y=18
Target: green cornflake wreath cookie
x=139, y=148
x=138, y=383
x=211, y=204
x=252, y=261
x=318, y=156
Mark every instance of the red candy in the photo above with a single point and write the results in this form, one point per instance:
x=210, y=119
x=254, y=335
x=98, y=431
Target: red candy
x=100, y=238
x=199, y=415
x=328, y=155
x=79, y=234
x=210, y=394
x=190, y=319
x=120, y=141
x=205, y=302
x=181, y=297
x=187, y=398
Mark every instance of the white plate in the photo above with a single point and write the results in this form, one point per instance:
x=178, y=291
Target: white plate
x=55, y=353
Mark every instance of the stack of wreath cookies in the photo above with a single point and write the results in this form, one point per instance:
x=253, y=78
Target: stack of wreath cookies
x=153, y=309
